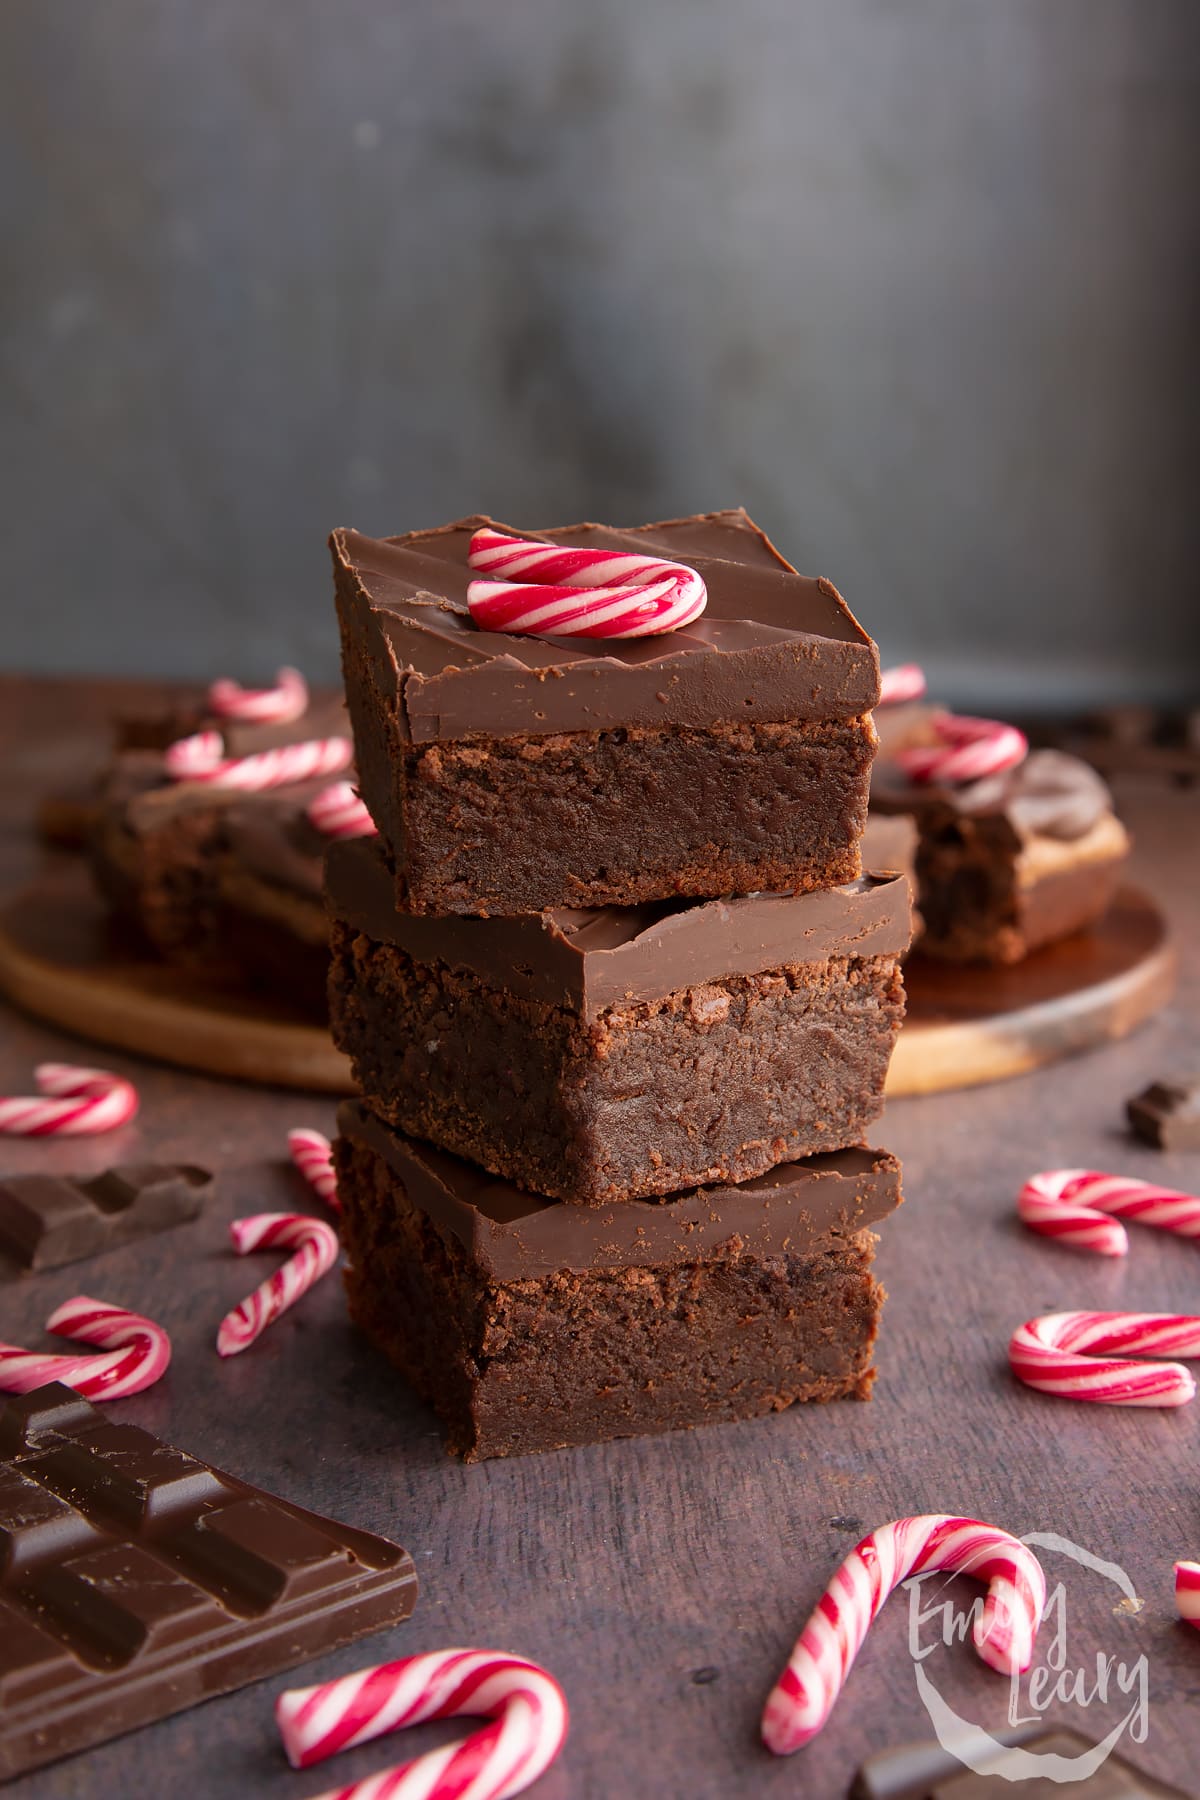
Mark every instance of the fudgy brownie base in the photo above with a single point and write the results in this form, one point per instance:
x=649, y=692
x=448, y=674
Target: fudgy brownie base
x=574, y=1357
x=613, y=818
x=987, y=897
x=716, y=1082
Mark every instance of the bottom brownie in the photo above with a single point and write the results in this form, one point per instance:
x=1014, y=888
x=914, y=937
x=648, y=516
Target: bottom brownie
x=534, y=1325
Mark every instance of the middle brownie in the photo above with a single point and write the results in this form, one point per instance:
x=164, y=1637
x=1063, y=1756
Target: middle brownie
x=624, y=1052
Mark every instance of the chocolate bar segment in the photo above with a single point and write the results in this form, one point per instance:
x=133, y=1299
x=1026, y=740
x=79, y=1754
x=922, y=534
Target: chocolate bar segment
x=136, y=1580
x=48, y=1220
x=1167, y=1113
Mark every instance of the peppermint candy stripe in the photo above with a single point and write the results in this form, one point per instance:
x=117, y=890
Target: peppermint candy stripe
x=201, y=758
x=1056, y=1355
x=546, y=591
x=277, y=705
x=806, y=1692
x=316, y=1248
x=1073, y=1205
x=967, y=750
x=70, y=1102
x=526, y=1705
x=339, y=813
x=312, y=1154
x=905, y=682
x=1187, y=1592
x=138, y=1352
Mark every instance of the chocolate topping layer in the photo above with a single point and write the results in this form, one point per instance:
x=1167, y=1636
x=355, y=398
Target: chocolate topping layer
x=600, y=958
x=513, y=1234
x=1050, y=794
x=272, y=836
x=47, y=1220
x=772, y=645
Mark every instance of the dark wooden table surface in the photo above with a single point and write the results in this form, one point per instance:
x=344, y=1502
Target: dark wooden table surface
x=663, y=1580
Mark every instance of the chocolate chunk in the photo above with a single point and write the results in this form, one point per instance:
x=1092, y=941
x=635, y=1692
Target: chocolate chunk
x=136, y=1580
x=1167, y=1113
x=927, y=1772
x=48, y=1220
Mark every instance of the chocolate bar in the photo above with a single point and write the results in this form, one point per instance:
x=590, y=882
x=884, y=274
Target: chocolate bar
x=1167, y=1113
x=136, y=1580
x=48, y=1220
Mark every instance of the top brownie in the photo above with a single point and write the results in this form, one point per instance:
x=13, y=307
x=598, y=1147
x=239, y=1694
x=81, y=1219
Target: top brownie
x=508, y=774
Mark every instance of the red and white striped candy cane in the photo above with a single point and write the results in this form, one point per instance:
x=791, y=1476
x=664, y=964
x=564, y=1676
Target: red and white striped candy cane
x=70, y=1102
x=1071, y=1205
x=905, y=682
x=201, y=758
x=544, y=590
x=1187, y=1592
x=277, y=705
x=312, y=1154
x=968, y=750
x=1004, y=1634
x=339, y=813
x=1056, y=1355
x=138, y=1352
x=526, y=1706
x=315, y=1246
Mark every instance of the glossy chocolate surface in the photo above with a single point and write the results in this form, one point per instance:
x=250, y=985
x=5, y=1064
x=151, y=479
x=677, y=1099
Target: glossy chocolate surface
x=136, y=1580
x=513, y=1234
x=592, y=960
x=772, y=645
x=48, y=1220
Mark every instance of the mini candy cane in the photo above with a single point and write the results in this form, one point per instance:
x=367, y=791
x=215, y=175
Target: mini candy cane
x=905, y=682
x=138, y=1353
x=526, y=1705
x=1003, y=1635
x=1187, y=1592
x=969, y=749
x=1071, y=1204
x=1053, y=1355
x=339, y=813
x=277, y=705
x=312, y=1154
x=71, y=1102
x=200, y=758
x=631, y=596
x=316, y=1248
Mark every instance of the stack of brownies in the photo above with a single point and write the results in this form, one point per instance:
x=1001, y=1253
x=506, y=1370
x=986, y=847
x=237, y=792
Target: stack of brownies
x=618, y=1000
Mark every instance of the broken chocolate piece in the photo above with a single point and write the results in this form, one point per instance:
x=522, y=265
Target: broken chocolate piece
x=136, y=1580
x=927, y=1772
x=1167, y=1113
x=48, y=1220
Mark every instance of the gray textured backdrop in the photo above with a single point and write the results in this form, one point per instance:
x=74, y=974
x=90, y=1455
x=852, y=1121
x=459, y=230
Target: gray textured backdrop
x=915, y=280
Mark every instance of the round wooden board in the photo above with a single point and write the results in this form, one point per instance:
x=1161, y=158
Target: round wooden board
x=967, y=1025
x=59, y=960
x=964, y=1025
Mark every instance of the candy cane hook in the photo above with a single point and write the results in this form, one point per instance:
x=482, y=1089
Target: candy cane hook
x=315, y=1248
x=138, y=1352
x=70, y=1102
x=1003, y=1635
x=1073, y=1206
x=526, y=1705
